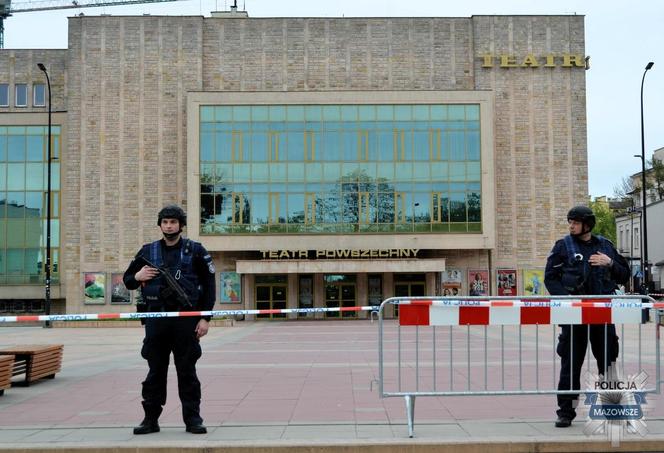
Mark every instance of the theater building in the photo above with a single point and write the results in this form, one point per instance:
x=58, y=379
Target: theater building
x=322, y=161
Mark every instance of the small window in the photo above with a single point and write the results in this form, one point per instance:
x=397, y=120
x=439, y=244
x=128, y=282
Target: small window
x=38, y=95
x=4, y=95
x=21, y=95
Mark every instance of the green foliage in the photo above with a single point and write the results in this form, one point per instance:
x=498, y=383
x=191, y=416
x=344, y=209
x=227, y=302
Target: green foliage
x=657, y=178
x=606, y=222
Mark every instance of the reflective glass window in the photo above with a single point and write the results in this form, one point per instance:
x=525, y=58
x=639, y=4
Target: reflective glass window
x=22, y=202
x=330, y=168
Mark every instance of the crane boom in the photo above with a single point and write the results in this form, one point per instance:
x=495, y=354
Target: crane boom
x=7, y=7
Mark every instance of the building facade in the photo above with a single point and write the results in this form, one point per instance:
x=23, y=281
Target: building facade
x=629, y=225
x=322, y=161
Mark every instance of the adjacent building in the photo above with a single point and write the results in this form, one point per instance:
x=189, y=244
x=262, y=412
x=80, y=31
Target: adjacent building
x=323, y=161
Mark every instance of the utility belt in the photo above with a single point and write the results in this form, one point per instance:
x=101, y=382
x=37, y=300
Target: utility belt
x=162, y=304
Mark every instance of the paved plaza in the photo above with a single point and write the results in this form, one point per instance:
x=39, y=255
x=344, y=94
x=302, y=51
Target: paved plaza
x=272, y=386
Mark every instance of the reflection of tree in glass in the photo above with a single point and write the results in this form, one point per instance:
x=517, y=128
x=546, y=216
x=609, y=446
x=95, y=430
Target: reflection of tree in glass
x=474, y=207
x=358, y=199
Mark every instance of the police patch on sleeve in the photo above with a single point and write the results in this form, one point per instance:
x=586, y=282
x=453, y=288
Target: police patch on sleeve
x=210, y=263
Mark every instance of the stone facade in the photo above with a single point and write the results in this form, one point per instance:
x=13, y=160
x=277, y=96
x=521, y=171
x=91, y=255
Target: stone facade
x=125, y=80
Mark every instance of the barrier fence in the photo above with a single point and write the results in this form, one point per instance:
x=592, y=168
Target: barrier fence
x=452, y=346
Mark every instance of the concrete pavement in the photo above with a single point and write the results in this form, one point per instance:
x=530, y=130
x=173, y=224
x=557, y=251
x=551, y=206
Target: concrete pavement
x=271, y=386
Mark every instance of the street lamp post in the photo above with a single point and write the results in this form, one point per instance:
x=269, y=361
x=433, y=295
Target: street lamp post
x=644, y=251
x=47, y=305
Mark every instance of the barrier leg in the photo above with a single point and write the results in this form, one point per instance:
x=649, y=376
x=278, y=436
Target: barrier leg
x=410, y=413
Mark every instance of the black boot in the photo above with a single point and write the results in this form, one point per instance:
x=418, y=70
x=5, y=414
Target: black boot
x=196, y=429
x=147, y=426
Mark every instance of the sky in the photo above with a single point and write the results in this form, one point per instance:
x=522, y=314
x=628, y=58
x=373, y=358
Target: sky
x=621, y=38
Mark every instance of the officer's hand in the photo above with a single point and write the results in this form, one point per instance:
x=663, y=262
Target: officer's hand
x=146, y=273
x=600, y=259
x=202, y=328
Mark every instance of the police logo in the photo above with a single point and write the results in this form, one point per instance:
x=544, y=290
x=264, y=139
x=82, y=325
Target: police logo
x=211, y=268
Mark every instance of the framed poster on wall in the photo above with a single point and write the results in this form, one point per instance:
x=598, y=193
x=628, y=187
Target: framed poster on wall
x=533, y=282
x=451, y=282
x=506, y=282
x=94, y=288
x=119, y=292
x=478, y=282
x=230, y=287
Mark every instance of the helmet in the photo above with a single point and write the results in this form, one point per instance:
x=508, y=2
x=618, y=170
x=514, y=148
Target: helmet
x=172, y=211
x=582, y=214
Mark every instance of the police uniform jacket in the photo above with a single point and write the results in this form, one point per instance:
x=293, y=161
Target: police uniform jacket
x=199, y=283
x=561, y=268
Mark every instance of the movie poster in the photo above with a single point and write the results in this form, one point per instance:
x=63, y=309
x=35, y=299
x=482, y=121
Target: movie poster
x=478, y=282
x=451, y=282
x=94, y=288
x=506, y=282
x=231, y=288
x=119, y=292
x=533, y=282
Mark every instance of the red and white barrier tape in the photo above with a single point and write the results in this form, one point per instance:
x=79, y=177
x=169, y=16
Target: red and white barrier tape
x=176, y=314
x=445, y=312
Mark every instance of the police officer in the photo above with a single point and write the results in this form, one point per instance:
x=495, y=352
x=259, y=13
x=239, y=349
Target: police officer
x=583, y=263
x=192, y=268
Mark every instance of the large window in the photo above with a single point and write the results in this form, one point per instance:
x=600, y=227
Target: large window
x=23, y=180
x=340, y=168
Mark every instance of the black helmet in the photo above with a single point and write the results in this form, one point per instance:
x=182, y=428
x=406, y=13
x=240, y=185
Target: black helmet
x=582, y=214
x=172, y=211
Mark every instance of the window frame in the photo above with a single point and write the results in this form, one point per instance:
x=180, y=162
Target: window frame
x=34, y=95
x=6, y=88
x=16, y=96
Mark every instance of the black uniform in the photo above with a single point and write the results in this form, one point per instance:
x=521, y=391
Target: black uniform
x=568, y=275
x=192, y=266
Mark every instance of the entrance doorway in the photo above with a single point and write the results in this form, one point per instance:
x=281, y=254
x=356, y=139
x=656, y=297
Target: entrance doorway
x=408, y=285
x=340, y=291
x=271, y=291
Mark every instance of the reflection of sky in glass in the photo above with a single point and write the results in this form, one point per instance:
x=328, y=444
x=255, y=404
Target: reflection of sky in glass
x=23, y=151
x=402, y=159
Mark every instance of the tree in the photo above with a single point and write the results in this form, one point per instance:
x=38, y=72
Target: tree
x=606, y=222
x=624, y=188
x=657, y=179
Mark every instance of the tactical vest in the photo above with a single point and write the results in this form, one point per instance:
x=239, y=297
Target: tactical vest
x=577, y=270
x=183, y=274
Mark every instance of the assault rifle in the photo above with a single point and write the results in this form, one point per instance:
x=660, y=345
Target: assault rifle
x=173, y=288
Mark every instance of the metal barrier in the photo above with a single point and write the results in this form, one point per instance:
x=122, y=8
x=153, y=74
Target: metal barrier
x=452, y=346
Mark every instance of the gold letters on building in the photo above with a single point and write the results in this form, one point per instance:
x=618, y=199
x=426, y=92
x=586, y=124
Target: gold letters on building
x=336, y=254
x=490, y=60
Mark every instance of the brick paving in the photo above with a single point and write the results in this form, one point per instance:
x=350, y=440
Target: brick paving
x=284, y=381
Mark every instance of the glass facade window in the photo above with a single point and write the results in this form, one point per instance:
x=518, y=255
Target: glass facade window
x=340, y=169
x=39, y=95
x=21, y=95
x=23, y=180
x=4, y=95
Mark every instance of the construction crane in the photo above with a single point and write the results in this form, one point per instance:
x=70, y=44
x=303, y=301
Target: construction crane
x=7, y=7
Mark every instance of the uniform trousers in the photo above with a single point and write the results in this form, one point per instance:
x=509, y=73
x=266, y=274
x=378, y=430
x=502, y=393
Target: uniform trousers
x=572, y=345
x=164, y=336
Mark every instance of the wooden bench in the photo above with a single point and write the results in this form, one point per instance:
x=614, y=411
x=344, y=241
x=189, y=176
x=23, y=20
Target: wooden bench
x=35, y=361
x=6, y=372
